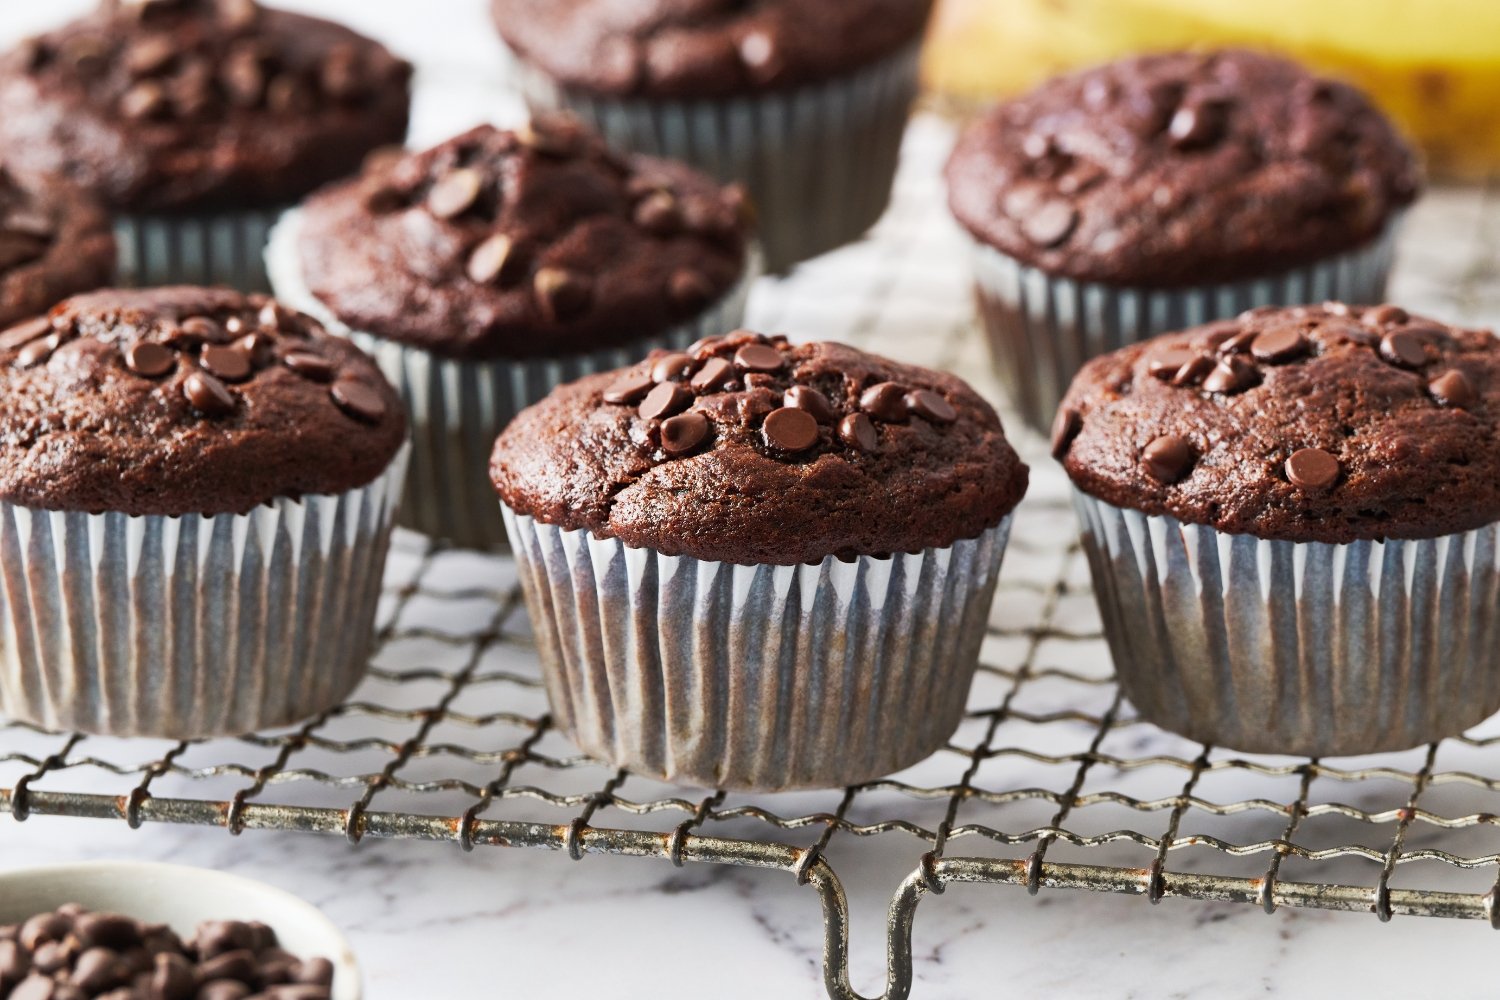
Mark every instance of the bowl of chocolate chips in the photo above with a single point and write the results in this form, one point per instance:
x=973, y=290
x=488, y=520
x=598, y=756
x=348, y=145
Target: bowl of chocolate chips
x=136, y=931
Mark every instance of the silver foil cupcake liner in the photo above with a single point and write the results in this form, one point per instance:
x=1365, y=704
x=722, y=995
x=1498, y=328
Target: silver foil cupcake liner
x=819, y=160
x=458, y=408
x=185, y=627
x=227, y=248
x=1300, y=648
x=758, y=678
x=1041, y=329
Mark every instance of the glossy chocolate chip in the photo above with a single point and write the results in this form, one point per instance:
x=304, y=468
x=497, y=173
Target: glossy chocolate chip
x=24, y=333
x=665, y=400
x=549, y=136
x=1385, y=315
x=714, y=373
x=1279, y=344
x=207, y=394
x=1229, y=376
x=790, y=429
x=561, y=295
x=684, y=432
x=1166, y=363
x=628, y=389
x=1403, y=348
x=1194, y=370
x=1050, y=224
x=805, y=397
x=885, y=401
x=672, y=366
x=1453, y=388
x=759, y=358
x=38, y=351
x=198, y=330
x=1199, y=124
x=858, y=431
x=228, y=362
x=931, y=406
x=455, y=193
x=144, y=100
x=1312, y=469
x=494, y=260
x=149, y=359
x=1167, y=458
x=1065, y=427
x=358, y=400
x=659, y=214
x=310, y=366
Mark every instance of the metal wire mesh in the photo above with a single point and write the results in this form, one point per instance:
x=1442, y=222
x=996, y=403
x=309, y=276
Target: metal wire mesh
x=1049, y=782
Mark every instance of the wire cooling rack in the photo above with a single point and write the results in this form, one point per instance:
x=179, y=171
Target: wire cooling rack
x=1050, y=782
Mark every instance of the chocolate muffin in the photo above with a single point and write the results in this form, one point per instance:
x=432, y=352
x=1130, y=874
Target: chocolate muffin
x=1292, y=526
x=1157, y=192
x=757, y=91
x=54, y=241
x=490, y=268
x=196, y=121
x=196, y=496
x=757, y=565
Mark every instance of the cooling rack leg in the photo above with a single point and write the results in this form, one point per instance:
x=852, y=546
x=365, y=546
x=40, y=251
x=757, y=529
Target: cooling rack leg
x=836, y=934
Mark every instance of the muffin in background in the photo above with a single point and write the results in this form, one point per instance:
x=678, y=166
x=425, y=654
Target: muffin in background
x=806, y=103
x=196, y=122
x=754, y=565
x=485, y=271
x=196, y=497
x=1294, y=528
x=1164, y=191
x=55, y=240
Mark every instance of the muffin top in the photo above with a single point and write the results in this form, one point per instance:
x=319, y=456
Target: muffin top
x=696, y=49
x=54, y=240
x=1178, y=169
x=518, y=244
x=1328, y=424
x=748, y=449
x=186, y=401
x=189, y=105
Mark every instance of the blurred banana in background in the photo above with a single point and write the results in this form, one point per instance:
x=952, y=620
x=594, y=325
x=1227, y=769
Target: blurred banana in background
x=1434, y=65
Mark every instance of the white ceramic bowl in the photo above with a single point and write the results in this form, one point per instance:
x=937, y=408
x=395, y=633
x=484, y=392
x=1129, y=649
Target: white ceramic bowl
x=182, y=898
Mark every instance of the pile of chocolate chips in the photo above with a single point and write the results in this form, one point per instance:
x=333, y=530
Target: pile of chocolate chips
x=219, y=352
x=74, y=954
x=748, y=371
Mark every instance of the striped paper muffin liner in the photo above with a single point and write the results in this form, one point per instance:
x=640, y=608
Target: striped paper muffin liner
x=458, y=408
x=226, y=248
x=757, y=678
x=1041, y=329
x=193, y=626
x=1300, y=648
x=819, y=161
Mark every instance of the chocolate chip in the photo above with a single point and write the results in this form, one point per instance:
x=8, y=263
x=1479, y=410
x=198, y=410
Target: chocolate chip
x=689, y=288
x=761, y=56
x=24, y=333
x=1282, y=343
x=759, y=358
x=1237, y=343
x=455, y=193
x=1050, y=224
x=195, y=330
x=858, y=431
x=1199, y=124
x=1167, y=458
x=665, y=400
x=1386, y=315
x=38, y=351
x=237, y=965
x=671, y=366
x=149, y=359
x=144, y=100
x=317, y=971
x=1312, y=469
x=790, y=429
x=1229, y=376
x=149, y=55
x=257, y=347
x=207, y=394
x=1065, y=427
x=714, y=373
x=227, y=362
x=561, y=294
x=223, y=989
x=658, y=214
x=1403, y=348
x=496, y=259
x=628, y=389
x=242, y=77
x=885, y=401
x=1164, y=364
x=43, y=928
x=358, y=400
x=96, y=970
x=1453, y=388
x=684, y=432
x=805, y=397
x=1194, y=370
x=549, y=136
x=35, y=987
x=931, y=406
x=340, y=76
x=172, y=977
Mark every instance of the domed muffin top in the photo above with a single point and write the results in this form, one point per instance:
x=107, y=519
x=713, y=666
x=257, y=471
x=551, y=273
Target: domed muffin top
x=55, y=240
x=749, y=449
x=193, y=105
x=1181, y=169
x=1327, y=423
x=537, y=242
x=696, y=49
x=185, y=400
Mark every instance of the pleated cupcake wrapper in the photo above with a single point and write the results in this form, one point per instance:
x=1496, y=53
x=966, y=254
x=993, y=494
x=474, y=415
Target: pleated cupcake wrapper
x=184, y=627
x=1041, y=329
x=1297, y=648
x=458, y=408
x=755, y=677
x=226, y=248
x=819, y=160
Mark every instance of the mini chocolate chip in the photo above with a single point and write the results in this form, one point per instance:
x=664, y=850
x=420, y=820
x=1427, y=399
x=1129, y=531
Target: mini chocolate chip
x=1385, y=315
x=1065, y=427
x=1312, y=469
x=689, y=288
x=805, y=397
x=496, y=259
x=714, y=373
x=1167, y=458
x=1453, y=388
x=207, y=394
x=885, y=401
x=1282, y=343
x=1404, y=349
x=227, y=362
x=1050, y=224
x=144, y=100
x=658, y=214
x=561, y=294
x=665, y=400
x=358, y=400
x=1194, y=370
x=684, y=432
x=149, y=359
x=1165, y=364
x=455, y=193
x=858, y=431
x=790, y=429
x=24, y=333
x=671, y=366
x=628, y=389
x=310, y=366
x=38, y=351
x=931, y=406
x=759, y=358
x=1229, y=376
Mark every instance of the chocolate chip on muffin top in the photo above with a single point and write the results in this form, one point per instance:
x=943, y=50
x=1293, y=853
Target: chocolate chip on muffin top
x=749, y=449
x=54, y=240
x=186, y=401
x=536, y=242
x=160, y=105
x=1181, y=168
x=1328, y=423
x=696, y=49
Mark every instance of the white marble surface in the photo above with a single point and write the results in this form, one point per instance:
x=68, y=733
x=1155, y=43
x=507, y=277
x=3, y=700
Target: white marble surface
x=429, y=921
